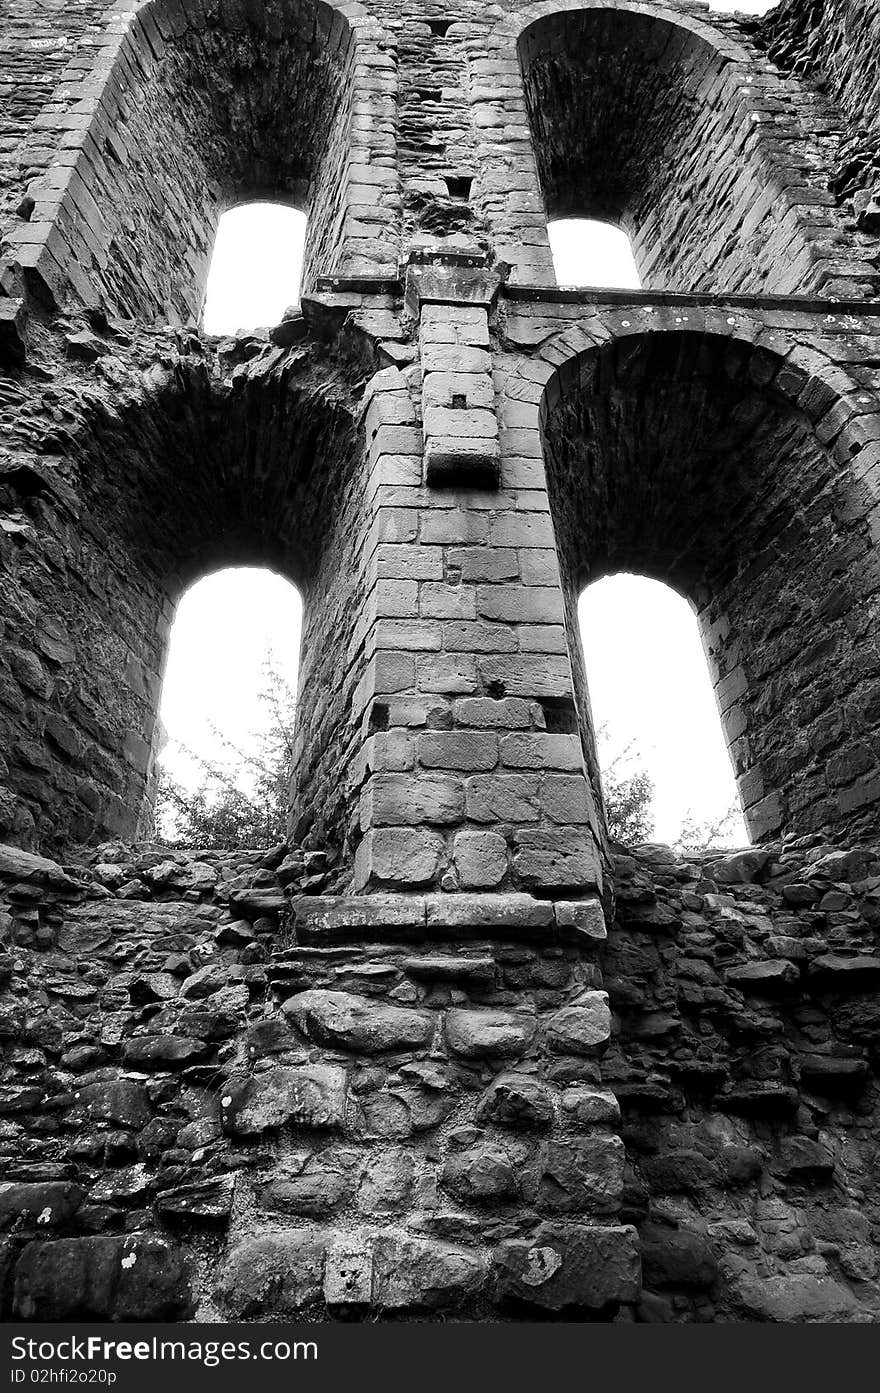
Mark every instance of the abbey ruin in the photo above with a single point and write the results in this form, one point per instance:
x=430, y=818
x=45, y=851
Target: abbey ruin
x=448, y=1053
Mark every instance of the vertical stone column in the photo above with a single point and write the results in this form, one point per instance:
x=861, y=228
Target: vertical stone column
x=472, y=773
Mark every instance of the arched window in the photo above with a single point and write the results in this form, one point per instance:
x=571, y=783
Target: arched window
x=591, y=253
x=655, y=711
x=227, y=702
x=640, y=118
x=256, y=267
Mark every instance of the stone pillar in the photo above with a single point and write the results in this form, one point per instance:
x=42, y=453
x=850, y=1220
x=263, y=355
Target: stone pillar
x=473, y=772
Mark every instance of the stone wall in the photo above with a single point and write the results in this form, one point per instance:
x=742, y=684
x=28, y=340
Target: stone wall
x=744, y=988
x=38, y=44
x=692, y=147
x=127, y=215
x=229, y=458
x=226, y=1100
x=364, y=1073
x=834, y=45
x=669, y=463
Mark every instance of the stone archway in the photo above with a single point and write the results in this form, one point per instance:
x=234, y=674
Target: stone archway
x=670, y=126
x=184, y=117
x=729, y=469
x=260, y=466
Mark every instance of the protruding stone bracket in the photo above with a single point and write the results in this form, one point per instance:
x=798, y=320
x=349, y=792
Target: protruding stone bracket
x=451, y=296
x=396, y=916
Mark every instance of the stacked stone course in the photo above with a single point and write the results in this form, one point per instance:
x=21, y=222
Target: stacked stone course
x=376, y=1070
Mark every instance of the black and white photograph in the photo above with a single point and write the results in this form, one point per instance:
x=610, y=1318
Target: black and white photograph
x=439, y=682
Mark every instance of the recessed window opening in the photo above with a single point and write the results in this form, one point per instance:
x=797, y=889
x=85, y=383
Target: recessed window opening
x=661, y=747
x=459, y=187
x=227, y=711
x=256, y=268
x=591, y=253
x=440, y=27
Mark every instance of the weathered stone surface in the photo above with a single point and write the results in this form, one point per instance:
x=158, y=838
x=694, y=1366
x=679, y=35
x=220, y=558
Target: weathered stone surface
x=307, y=1095
x=763, y=977
x=357, y=1023
x=588, y=1106
x=163, y=1051
x=321, y=1186
x=136, y=1278
x=482, y=1172
x=206, y=1201
x=480, y=859
x=488, y=1034
x=16, y=864
x=387, y=1181
x=801, y=1297
x=584, y=917
x=434, y=968
x=468, y=912
x=49, y=1205
x=348, y=1273
x=569, y=1267
x=581, y=1028
x=674, y=1257
x=517, y=1100
x=561, y=859
x=419, y=1275
x=117, y=1100
x=275, y=1274
x=586, y=1174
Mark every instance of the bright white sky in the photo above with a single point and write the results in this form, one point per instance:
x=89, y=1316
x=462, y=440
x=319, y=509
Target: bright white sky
x=652, y=689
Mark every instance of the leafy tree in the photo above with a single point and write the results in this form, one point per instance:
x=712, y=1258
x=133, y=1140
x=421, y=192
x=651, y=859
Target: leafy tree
x=628, y=796
x=696, y=836
x=628, y=807
x=242, y=800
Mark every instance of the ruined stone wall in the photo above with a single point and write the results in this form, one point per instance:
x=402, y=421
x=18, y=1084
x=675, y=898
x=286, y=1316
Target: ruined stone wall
x=744, y=989
x=672, y=471
x=39, y=43
x=210, y=1106
x=370, y=1071
x=96, y=557
x=184, y=113
x=278, y=1118
x=833, y=44
x=692, y=147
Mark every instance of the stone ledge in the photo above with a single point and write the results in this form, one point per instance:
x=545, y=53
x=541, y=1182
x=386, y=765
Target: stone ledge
x=574, y=295
x=365, y=917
